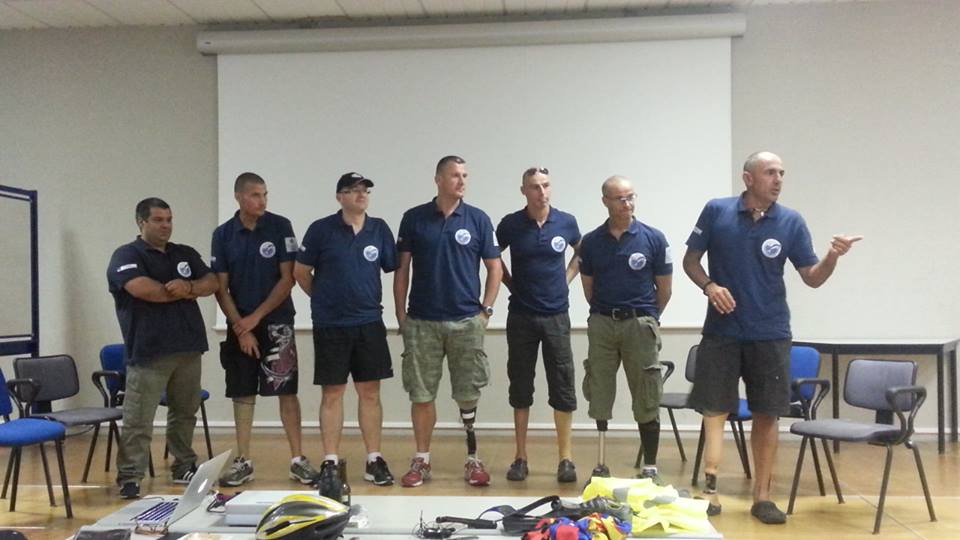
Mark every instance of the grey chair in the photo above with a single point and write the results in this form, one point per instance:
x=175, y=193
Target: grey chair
x=57, y=378
x=889, y=389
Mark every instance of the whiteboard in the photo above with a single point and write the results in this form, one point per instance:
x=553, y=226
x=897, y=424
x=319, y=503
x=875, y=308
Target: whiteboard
x=657, y=112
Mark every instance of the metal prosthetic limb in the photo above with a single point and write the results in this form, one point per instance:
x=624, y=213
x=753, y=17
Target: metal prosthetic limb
x=468, y=417
x=601, y=469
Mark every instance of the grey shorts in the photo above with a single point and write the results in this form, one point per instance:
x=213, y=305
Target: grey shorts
x=763, y=365
x=526, y=334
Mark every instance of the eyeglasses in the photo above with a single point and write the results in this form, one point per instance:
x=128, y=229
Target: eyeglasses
x=629, y=199
x=534, y=170
x=356, y=190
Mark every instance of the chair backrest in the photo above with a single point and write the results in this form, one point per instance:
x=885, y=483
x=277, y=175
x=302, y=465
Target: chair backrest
x=868, y=380
x=113, y=358
x=56, y=375
x=691, y=370
x=804, y=364
x=6, y=406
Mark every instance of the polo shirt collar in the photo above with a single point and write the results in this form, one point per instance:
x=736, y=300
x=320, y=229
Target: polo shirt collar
x=456, y=211
x=143, y=245
x=742, y=208
x=366, y=222
x=526, y=214
x=237, y=224
x=633, y=229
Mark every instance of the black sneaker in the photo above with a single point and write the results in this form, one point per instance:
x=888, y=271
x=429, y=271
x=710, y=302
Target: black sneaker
x=186, y=475
x=329, y=482
x=768, y=513
x=518, y=470
x=378, y=472
x=651, y=474
x=130, y=490
x=566, y=472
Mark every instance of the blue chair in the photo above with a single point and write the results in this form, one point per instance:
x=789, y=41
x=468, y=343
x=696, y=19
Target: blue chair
x=112, y=361
x=804, y=366
x=889, y=389
x=25, y=431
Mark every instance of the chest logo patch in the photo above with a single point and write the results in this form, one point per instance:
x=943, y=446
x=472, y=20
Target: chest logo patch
x=371, y=253
x=637, y=261
x=462, y=236
x=183, y=268
x=267, y=250
x=558, y=244
x=771, y=248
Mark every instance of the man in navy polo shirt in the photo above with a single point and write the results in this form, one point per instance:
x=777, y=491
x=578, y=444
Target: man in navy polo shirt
x=747, y=328
x=155, y=284
x=626, y=270
x=252, y=255
x=446, y=239
x=339, y=267
x=538, y=237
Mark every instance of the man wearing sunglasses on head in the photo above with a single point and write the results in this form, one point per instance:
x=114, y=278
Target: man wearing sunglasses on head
x=626, y=270
x=445, y=240
x=538, y=236
x=339, y=267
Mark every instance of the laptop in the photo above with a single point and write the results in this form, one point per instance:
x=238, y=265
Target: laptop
x=164, y=514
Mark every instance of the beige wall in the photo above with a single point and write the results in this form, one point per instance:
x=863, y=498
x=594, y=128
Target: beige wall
x=860, y=98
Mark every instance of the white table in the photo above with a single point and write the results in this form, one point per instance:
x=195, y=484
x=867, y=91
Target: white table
x=390, y=517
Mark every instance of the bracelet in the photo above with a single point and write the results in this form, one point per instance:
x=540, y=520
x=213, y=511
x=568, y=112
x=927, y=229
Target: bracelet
x=705, y=285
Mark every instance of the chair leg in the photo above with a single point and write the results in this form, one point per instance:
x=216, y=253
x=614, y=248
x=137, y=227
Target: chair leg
x=16, y=480
x=93, y=446
x=46, y=474
x=206, y=429
x=166, y=451
x=153, y=473
x=696, y=461
x=796, y=474
x=6, y=478
x=923, y=479
x=111, y=433
x=816, y=468
x=833, y=470
x=883, y=489
x=63, y=480
x=741, y=440
x=676, y=435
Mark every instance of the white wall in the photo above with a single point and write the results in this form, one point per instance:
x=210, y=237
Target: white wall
x=859, y=98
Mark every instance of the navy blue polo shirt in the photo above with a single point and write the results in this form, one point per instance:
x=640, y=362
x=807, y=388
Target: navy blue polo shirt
x=747, y=258
x=152, y=329
x=446, y=259
x=538, y=260
x=346, y=269
x=252, y=259
x=623, y=271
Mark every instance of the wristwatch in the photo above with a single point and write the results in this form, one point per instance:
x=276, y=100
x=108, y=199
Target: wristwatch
x=488, y=310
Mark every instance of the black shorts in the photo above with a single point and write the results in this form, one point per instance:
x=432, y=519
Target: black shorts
x=358, y=351
x=273, y=374
x=525, y=334
x=763, y=365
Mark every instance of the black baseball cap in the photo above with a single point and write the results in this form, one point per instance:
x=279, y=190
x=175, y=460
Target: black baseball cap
x=351, y=179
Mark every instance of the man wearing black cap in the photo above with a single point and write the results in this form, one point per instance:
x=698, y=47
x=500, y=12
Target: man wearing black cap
x=339, y=267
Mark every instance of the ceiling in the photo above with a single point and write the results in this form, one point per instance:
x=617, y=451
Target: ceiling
x=38, y=14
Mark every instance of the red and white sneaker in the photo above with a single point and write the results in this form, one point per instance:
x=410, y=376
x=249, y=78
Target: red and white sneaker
x=418, y=474
x=475, y=474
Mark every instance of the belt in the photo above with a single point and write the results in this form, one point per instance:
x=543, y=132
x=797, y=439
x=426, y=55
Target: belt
x=622, y=314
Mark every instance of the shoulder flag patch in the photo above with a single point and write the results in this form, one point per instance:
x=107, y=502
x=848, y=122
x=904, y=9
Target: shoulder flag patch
x=126, y=267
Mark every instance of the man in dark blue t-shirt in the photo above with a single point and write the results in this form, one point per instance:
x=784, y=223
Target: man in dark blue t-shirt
x=339, y=267
x=538, y=237
x=155, y=284
x=747, y=329
x=252, y=254
x=627, y=275
x=446, y=239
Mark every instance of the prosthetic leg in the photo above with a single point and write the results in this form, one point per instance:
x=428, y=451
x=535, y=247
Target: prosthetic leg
x=468, y=417
x=601, y=469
